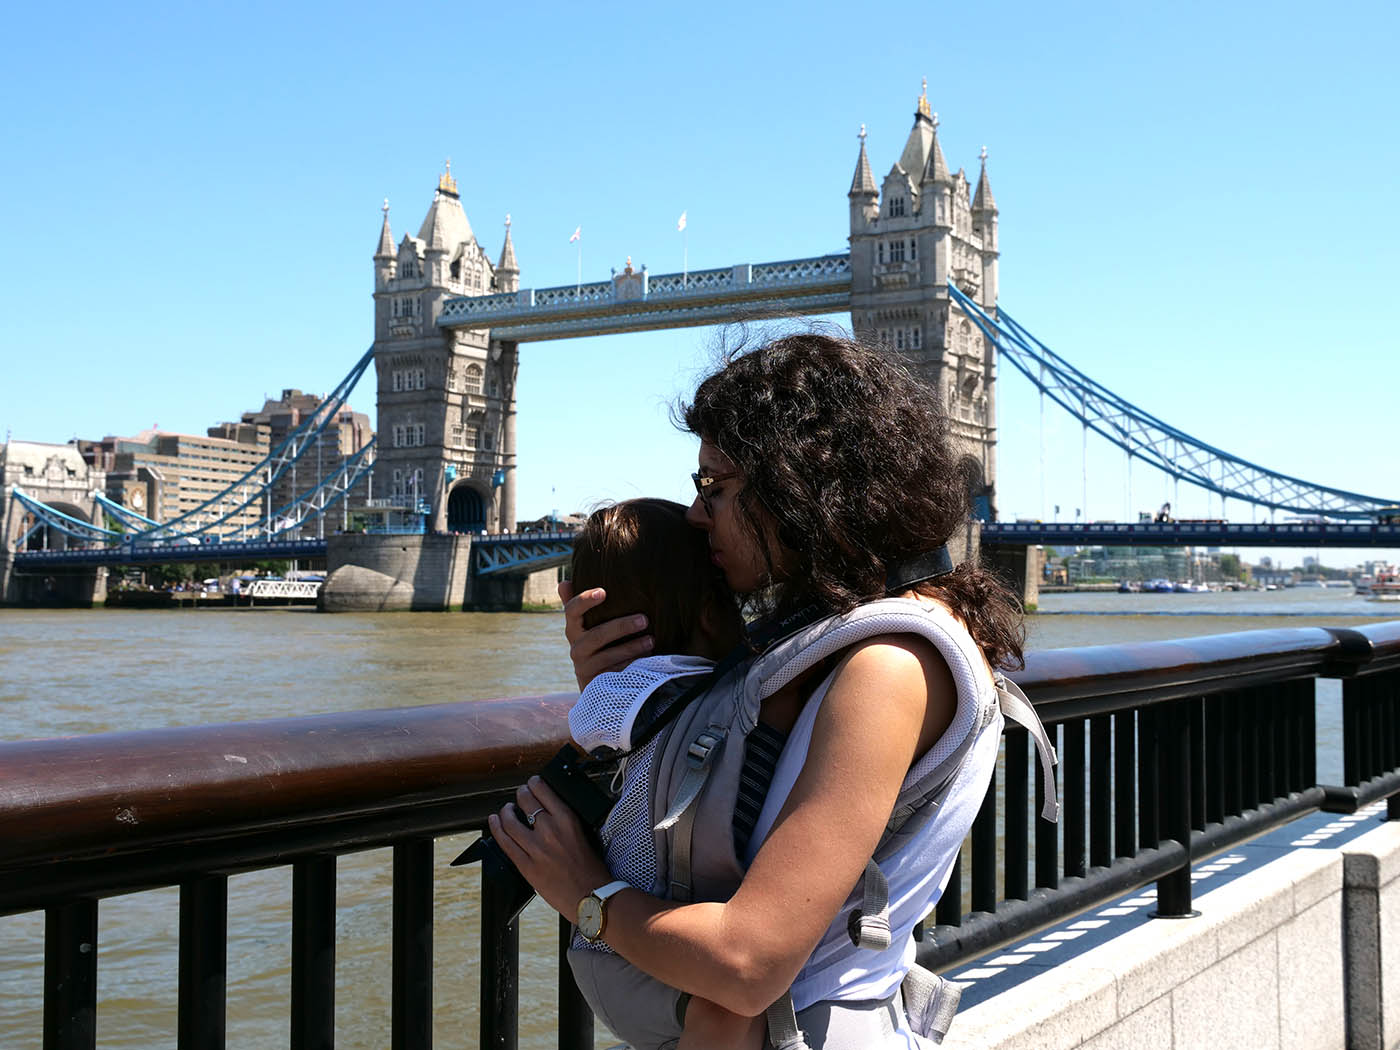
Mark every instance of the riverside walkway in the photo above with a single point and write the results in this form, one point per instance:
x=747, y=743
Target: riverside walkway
x=1182, y=763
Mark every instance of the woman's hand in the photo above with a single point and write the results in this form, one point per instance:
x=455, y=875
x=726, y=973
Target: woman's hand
x=555, y=855
x=593, y=650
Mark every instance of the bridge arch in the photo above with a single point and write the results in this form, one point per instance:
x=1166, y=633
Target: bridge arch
x=49, y=538
x=466, y=508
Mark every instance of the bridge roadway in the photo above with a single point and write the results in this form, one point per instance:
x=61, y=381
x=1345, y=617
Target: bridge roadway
x=1191, y=533
x=500, y=554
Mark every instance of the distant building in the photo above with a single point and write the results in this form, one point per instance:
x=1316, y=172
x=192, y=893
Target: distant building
x=165, y=476
x=342, y=437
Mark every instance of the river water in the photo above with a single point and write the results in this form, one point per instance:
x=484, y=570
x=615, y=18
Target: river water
x=76, y=672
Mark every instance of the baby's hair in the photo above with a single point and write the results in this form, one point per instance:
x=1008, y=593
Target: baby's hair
x=646, y=557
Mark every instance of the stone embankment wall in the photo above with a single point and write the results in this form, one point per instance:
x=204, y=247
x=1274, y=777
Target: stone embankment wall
x=1291, y=956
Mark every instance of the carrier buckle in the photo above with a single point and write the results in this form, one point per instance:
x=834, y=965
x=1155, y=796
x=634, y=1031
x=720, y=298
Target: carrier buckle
x=698, y=754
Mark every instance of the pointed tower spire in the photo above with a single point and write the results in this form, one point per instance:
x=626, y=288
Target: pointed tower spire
x=937, y=169
x=983, y=200
x=863, y=181
x=386, y=237
x=507, y=270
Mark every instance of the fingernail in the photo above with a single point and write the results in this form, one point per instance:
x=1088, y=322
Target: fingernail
x=639, y=622
x=599, y=595
x=648, y=642
x=492, y=821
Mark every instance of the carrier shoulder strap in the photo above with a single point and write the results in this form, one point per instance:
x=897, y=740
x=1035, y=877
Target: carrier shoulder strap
x=1015, y=707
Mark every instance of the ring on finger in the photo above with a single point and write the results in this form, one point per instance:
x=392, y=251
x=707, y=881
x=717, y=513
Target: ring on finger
x=530, y=817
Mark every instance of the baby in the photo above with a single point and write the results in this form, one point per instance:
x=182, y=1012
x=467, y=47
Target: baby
x=648, y=560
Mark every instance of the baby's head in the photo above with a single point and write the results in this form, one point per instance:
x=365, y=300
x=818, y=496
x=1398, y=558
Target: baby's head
x=646, y=557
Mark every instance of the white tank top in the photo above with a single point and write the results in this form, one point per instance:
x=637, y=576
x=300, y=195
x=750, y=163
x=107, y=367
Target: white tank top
x=918, y=872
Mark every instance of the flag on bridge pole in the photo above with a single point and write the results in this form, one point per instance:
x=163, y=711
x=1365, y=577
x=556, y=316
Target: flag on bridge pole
x=685, y=250
x=577, y=238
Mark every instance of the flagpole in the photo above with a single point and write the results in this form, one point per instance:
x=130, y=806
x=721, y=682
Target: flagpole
x=685, y=257
x=578, y=285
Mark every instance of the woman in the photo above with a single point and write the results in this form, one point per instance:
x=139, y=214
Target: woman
x=823, y=466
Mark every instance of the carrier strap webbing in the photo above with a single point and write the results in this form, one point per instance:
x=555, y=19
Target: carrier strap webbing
x=1016, y=708
x=783, y=1033
x=930, y=1001
x=869, y=925
x=699, y=763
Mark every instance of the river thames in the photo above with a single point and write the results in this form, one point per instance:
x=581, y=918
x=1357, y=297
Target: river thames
x=77, y=672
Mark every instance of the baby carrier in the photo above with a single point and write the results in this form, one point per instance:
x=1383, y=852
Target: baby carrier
x=695, y=768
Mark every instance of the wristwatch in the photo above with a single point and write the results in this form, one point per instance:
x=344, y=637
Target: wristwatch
x=593, y=910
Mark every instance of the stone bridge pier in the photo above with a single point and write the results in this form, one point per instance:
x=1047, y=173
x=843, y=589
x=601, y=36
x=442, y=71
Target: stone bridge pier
x=57, y=476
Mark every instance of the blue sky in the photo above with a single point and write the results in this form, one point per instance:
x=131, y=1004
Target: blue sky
x=1197, y=208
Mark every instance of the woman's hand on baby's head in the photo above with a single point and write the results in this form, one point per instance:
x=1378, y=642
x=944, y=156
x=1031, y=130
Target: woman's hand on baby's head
x=594, y=650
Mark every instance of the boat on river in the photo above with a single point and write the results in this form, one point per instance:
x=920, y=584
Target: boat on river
x=1386, y=586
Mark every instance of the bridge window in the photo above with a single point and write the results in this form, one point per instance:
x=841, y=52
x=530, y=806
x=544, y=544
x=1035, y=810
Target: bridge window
x=490, y=442
x=913, y=249
x=899, y=338
x=915, y=337
x=880, y=252
x=896, y=251
x=409, y=267
x=404, y=306
x=896, y=207
x=472, y=381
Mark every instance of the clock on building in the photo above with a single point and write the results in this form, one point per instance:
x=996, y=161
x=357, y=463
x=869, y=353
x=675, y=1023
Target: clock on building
x=137, y=499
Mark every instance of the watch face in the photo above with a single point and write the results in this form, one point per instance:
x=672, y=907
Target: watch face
x=590, y=917
x=137, y=499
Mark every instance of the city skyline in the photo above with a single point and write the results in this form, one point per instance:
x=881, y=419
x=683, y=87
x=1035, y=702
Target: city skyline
x=1162, y=226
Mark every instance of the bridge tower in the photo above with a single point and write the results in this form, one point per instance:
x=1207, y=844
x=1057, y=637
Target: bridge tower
x=56, y=475
x=446, y=423
x=923, y=227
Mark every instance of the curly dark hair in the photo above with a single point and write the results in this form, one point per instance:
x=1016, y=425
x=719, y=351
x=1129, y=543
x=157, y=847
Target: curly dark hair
x=848, y=467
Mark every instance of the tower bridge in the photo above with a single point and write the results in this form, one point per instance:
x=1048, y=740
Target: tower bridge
x=920, y=278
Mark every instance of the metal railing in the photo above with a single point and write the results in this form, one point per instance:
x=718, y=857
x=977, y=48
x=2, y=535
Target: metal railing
x=1169, y=751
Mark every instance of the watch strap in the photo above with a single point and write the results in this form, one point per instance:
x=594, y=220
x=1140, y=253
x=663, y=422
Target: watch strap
x=604, y=892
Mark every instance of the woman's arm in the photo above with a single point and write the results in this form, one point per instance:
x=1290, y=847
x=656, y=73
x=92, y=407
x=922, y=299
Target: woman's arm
x=890, y=699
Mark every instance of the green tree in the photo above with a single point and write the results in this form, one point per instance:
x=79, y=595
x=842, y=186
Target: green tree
x=1230, y=567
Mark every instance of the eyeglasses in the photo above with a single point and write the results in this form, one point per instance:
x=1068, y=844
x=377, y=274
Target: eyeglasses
x=703, y=483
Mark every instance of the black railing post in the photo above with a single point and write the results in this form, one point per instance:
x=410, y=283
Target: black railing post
x=984, y=851
x=1016, y=831
x=1174, y=732
x=412, y=1000
x=1149, y=830
x=948, y=911
x=1351, y=731
x=70, y=976
x=1124, y=784
x=1196, y=713
x=575, y=1017
x=1215, y=772
x=203, y=963
x=1100, y=791
x=500, y=959
x=1074, y=798
x=313, y=954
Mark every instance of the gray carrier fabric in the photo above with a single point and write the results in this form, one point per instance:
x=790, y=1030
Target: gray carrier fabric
x=695, y=769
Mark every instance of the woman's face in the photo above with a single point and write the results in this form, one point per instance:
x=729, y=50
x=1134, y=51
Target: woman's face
x=732, y=547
